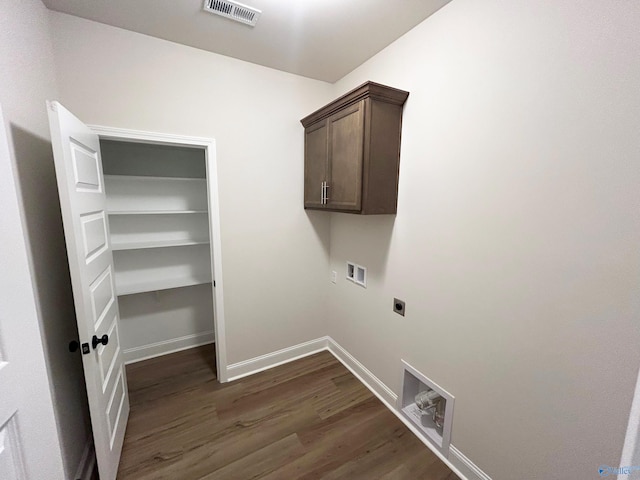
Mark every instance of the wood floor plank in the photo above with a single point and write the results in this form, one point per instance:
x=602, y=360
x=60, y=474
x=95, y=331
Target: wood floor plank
x=348, y=391
x=244, y=438
x=352, y=435
x=308, y=419
x=261, y=462
x=379, y=459
x=297, y=390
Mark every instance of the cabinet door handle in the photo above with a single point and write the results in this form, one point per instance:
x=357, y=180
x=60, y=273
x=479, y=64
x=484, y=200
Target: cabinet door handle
x=321, y=193
x=326, y=193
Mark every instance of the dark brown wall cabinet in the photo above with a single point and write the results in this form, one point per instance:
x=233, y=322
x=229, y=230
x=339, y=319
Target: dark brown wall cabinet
x=352, y=152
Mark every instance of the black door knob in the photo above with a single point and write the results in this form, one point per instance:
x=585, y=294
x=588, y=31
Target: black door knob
x=73, y=346
x=95, y=341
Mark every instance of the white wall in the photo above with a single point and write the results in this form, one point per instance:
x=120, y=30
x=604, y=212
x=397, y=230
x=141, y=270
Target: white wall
x=516, y=240
x=274, y=254
x=35, y=277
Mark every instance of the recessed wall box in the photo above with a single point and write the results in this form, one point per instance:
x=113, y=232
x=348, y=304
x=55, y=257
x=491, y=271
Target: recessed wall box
x=357, y=274
x=413, y=383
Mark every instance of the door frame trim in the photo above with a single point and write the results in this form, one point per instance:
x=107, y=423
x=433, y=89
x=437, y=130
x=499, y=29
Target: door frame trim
x=630, y=452
x=209, y=146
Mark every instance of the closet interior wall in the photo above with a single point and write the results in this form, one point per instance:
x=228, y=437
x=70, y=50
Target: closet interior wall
x=159, y=231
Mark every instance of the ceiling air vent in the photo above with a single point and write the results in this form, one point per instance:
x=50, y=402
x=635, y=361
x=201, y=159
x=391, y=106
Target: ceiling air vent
x=233, y=10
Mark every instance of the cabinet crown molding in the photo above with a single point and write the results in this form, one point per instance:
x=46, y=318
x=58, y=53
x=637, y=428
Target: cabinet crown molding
x=368, y=89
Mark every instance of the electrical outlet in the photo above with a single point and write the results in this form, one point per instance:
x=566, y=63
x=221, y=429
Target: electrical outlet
x=398, y=306
x=334, y=276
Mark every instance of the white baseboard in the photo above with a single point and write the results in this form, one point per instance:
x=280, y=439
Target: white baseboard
x=466, y=466
x=144, y=352
x=273, y=359
x=372, y=382
x=460, y=464
x=87, y=461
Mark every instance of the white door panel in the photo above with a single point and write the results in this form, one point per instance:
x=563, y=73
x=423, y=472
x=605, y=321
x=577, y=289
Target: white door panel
x=82, y=198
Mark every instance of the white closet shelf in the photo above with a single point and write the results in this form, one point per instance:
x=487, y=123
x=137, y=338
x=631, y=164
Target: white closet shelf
x=156, y=244
x=154, y=212
x=152, y=178
x=151, y=285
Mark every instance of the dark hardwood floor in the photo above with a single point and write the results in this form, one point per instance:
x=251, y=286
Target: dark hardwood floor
x=305, y=420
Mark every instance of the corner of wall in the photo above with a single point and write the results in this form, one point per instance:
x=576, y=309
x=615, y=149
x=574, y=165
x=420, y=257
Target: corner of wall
x=24, y=87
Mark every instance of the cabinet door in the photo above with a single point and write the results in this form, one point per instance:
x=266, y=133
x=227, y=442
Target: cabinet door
x=315, y=164
x=346, y=138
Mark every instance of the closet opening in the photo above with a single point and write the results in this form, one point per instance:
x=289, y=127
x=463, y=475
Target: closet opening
x=142, y=229
x=163, y=221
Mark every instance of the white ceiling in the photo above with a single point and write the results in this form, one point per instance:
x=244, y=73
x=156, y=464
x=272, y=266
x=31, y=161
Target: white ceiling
x=322, y=39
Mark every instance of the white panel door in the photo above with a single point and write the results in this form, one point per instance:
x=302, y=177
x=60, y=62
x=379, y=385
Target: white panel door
x=76, y=151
